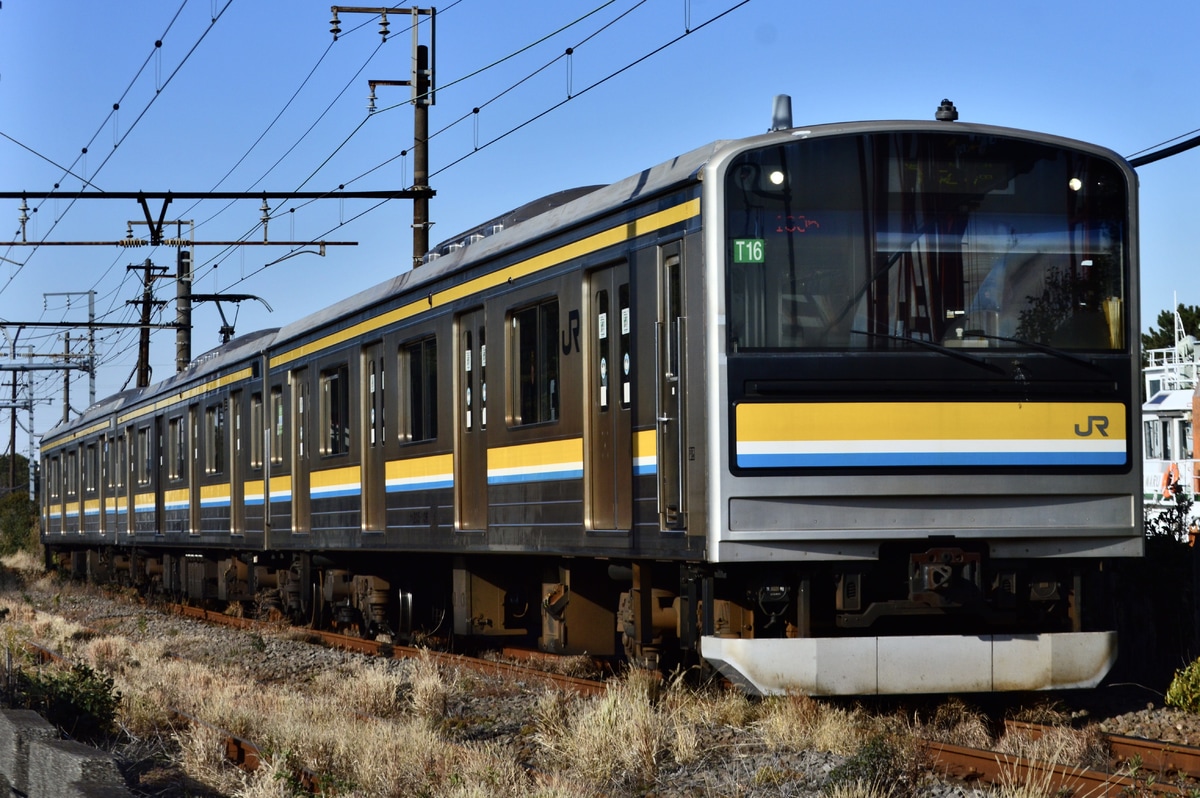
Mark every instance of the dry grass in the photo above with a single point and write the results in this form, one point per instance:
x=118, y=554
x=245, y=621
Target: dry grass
x=429, y=690
x=956, y=723
x=24, y=562
x=374, y=729
x=1060, y=745
x=798, y=722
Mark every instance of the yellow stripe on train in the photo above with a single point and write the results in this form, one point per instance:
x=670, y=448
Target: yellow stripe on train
x=930, y=434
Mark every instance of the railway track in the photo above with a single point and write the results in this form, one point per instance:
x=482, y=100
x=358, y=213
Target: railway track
x=584, y=687
x=1139, y=766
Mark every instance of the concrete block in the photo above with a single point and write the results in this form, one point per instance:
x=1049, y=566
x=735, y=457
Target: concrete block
x=20, y=728
x=60, y=767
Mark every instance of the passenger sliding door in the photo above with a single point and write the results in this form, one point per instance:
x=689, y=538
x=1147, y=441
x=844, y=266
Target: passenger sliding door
x=374, y=433
x=670, y=333
x=301, y=450
x=609, y=387
x=470, y=428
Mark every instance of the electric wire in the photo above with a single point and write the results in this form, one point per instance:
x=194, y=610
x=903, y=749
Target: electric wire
x=139, y=117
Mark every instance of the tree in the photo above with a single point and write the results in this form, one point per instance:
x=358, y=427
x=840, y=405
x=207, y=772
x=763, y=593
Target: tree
x=1164, y=336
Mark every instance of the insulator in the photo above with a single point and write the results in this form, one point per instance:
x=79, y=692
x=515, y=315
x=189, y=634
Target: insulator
x=383, y=27
x=334, y=27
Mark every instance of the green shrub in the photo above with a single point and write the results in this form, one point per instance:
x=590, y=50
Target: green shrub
x=80, y=701
x=881, y=767
x=18, y=523
x=1184, y=691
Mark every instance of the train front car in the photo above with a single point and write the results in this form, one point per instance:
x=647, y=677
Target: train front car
x=926, y=449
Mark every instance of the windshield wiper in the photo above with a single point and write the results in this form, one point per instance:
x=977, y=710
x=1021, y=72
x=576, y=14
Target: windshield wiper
x=945, y=350
x=1034, y=345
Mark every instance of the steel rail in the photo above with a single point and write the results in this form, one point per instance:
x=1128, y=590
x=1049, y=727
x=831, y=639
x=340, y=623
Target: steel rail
x=586, y=687
x=994, y=767
x=1158, y=756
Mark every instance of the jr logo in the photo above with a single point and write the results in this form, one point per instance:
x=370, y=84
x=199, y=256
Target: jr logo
x=1097, y=423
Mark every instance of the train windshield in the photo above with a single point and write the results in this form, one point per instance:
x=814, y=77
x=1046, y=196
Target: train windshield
x=878, y=240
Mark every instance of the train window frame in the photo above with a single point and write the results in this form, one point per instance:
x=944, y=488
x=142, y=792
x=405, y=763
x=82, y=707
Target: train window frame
x=177, y=448
x=143, y=467
x=53, y=477
x=120, y=468
x=257, y=431
x=90, y=468
x=71, y=482
x=334, y=401
x=215, y=439
x=106, y=462
x=417, y=365
x=534, y=366
x=278, y=426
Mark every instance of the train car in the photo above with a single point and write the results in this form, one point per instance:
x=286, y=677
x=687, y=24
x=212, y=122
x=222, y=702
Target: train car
x=841, y=409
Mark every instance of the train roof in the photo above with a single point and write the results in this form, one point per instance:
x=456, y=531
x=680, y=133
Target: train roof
x=533, y=221
x=235, y=351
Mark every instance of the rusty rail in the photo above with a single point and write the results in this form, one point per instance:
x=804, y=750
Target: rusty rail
x=1157, y=758
x=586, y=687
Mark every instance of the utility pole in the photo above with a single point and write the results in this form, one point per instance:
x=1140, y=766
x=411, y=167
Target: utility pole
x=12, y=434
x=149, y=273
x=66, y=378
x=183, y=310
x=423, y=96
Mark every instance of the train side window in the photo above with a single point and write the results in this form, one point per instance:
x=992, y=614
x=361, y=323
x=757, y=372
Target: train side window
x=121, y=464
x=52, y=476
x=256, y=430
x=176, y=448
x=534, y=346
x=214, y=439
x=91, y=468
x=624, y=362
x=418, y=405
x=72, y=482
x=335, y=409
x=277, y=428
x=142, y=464
x=106, y=463
x=482, y=379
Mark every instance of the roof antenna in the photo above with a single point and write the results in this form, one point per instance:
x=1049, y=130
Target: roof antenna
x=781, y=116
x=946, y=112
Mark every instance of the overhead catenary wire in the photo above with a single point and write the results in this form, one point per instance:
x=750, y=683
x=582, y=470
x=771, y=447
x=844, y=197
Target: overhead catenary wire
x=117, y=144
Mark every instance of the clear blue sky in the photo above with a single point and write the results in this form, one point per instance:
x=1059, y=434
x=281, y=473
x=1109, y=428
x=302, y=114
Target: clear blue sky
x=263, y=98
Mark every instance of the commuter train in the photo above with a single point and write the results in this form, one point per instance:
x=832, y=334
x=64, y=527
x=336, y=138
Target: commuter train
x=841, y=409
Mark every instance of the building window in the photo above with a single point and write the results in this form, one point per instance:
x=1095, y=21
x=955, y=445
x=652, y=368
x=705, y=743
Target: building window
x=214, y=439
x=418, y=370
x=335, y=411
x=534, y=346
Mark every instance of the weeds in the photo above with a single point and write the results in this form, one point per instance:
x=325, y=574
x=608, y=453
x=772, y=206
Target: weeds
x=80, y=701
